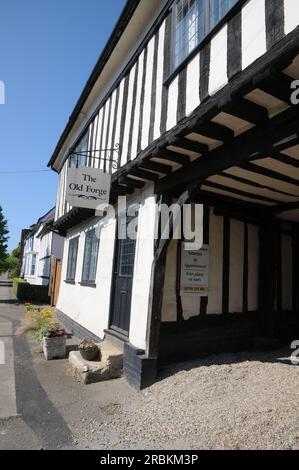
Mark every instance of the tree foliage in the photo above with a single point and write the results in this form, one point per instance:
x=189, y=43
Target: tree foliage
x=3, y=237
x=12, y=263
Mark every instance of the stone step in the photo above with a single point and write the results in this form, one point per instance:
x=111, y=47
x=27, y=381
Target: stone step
x=89, y=372
x=111, y=355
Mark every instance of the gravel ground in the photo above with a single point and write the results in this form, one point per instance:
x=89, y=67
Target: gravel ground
x=227, y=402
x=239, y=401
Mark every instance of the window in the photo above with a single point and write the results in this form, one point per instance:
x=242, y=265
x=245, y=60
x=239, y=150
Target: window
x=33, y=265
x=80, y=160
x=126, y=258
x=27, y=259
x=192, y=21
x=90, y=257
x=72, y=259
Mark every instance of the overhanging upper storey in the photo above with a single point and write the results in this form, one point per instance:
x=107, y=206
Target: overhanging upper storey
x=204, y=77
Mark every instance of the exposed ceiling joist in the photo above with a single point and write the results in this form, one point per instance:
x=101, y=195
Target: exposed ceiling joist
x=131, y=183
x=279, y=86
x=246, y=110
x=213, y=130
x=157, y=167
x=261, y=141
x=270, y=173
x=172, y=156
x=144, y=174
x=191, y=145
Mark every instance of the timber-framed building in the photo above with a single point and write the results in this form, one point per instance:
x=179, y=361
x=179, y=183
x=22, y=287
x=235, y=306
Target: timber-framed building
x=196, y=97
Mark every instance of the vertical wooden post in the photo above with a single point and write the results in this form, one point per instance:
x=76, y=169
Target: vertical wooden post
x=180, y=317
x=158, y=278
x=267, y=279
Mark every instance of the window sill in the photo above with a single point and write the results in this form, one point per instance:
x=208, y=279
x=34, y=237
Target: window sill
x=88, y=284
x=69, y=281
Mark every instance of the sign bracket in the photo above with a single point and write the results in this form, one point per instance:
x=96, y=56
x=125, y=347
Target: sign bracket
x=110, y=163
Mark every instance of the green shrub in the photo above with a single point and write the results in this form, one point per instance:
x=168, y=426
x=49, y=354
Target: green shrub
x=28, y=292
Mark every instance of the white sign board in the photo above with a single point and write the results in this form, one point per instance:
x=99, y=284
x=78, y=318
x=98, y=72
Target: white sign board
x=87, y=187
x=195, y=272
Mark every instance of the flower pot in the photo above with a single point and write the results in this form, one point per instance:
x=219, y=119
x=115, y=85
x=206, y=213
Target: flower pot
x=54, y=348
x=89, y=354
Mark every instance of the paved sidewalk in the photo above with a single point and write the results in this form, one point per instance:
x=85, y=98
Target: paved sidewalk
x=7, y=374
x=40, y=406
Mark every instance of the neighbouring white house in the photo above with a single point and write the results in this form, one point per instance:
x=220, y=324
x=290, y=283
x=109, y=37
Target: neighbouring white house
x=189, y=102
x=42, y=245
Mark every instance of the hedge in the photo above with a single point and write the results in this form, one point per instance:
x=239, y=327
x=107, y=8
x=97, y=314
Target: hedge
x=30, y=293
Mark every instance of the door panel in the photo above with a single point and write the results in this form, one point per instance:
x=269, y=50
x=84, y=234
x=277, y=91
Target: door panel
x=55, y=281
x=122, y=284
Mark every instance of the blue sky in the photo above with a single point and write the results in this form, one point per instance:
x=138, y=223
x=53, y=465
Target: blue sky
x=47, y=51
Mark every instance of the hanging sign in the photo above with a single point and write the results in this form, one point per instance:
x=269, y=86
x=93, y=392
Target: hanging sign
x=195, y=272
x=87, y=187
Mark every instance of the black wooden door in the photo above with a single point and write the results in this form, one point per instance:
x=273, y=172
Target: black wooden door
x=122, y=285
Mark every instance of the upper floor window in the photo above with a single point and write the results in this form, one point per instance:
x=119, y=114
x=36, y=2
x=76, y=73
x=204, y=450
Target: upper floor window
x=90, y=257
x=80, y=159
x=30, y=244
x=192, y=21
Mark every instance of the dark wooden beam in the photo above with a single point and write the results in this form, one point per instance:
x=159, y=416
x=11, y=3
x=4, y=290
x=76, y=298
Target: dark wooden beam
x=246, y=110
x=285, y=207
x=158, y=275
x=173, y=156
x=279, y=86
x=155, y=166
x=144, y=174
x=213, y=130
x=261, y=141
x=121, y=190
x=131, y=182
x=281, y=157
x=254, y=184
x=238, y=192
x=270, y=173
x=190, y=145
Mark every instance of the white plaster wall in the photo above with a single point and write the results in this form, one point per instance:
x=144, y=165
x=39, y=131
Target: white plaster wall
x=193, y=84
x=191, y=305
x=253, y=31
x=159, y=84
x=144, y=257
x=89, y=306
x=286, y=250
x=173, y=93
x=291, y=15
x=125, y=156
x=148, y=94
x=138, y=106
x=218, y=67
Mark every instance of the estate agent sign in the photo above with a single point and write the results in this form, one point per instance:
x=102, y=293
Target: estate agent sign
x=195, y=272
x=87, y=187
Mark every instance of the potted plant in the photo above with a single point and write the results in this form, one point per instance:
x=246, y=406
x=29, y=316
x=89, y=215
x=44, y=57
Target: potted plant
x=54, y=342
x=88, y=349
